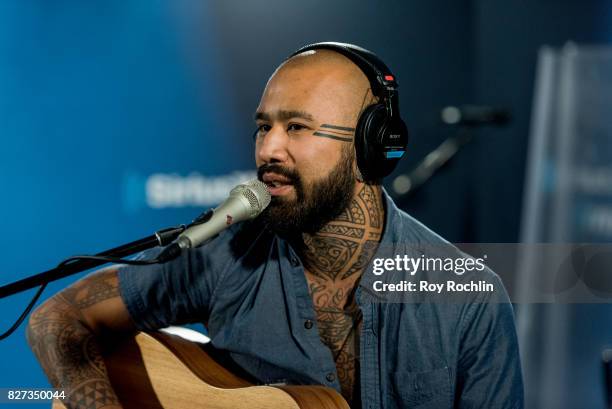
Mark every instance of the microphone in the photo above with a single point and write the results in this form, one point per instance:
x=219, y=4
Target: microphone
x=466, y=116
x=474, y=115
x=246, y=201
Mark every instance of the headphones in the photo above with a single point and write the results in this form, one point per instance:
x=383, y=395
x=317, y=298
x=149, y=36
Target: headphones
x=381, y=135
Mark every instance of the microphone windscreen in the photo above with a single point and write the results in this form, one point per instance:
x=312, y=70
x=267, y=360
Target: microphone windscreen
x=256, y=192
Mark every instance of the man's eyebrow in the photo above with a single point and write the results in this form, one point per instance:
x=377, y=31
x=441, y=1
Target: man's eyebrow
x=261, y=116
x=283, y=115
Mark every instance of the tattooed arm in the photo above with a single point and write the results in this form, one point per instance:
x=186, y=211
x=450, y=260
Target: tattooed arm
x=66, y=333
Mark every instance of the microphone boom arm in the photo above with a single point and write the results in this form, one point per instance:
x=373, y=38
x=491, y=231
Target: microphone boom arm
x=160, y=238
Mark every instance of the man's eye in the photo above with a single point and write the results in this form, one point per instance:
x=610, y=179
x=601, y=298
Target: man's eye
x=260, y=131
x=295, y=127
x=263, y=129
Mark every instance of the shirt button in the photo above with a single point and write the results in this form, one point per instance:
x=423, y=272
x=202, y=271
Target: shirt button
x=295, y=262
x=308, y=324
x=331, y=377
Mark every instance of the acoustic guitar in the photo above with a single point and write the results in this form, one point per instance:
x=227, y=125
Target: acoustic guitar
x=164, y=371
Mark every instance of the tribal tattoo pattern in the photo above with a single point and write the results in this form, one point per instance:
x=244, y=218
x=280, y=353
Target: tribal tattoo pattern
x=368, y=197
x=364, y=257
x=67, y=349
x=354, y=214
x=339, y=133
x=328, y=255
x=351, y=232
x=95, y=292
x=334, y=260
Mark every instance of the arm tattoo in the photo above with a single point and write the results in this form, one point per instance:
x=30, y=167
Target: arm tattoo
x=98, y=290
x=67, y=349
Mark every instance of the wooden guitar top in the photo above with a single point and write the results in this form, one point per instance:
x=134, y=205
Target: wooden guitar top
x=162, y=371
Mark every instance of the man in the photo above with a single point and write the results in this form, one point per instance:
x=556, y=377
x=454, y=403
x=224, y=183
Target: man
x=286, y=293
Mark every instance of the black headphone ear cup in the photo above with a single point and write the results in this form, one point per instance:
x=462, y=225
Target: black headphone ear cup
x=381, y=136
x=368, y=135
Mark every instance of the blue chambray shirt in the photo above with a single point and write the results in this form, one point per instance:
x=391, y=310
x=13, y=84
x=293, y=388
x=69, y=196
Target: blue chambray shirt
x=248, y=286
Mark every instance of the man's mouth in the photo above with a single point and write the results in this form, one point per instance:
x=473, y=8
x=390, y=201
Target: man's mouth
x=278, y=185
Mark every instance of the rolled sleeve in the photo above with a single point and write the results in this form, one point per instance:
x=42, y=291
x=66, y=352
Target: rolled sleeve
x=173, y=293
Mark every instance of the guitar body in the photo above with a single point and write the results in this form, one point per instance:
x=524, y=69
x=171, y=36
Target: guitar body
x=163, y=371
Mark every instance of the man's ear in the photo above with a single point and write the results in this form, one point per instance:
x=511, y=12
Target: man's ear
x=357, y=172
x=359, y=176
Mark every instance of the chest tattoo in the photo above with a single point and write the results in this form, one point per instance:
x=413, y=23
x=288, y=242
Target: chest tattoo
x=335, y=259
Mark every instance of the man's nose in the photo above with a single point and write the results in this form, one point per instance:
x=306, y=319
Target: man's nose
x=272, y=147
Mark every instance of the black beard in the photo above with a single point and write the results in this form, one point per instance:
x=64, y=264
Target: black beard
x=312, y=209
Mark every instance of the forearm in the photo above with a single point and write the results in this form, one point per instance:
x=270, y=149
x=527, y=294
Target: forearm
x=70, y=355
x=67, y=347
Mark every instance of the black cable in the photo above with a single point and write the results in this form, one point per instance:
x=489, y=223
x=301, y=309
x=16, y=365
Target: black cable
x=114, y=260
x=25, y=312
x=28, y=309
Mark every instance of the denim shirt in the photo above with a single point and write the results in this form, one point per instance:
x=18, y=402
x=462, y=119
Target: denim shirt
x=248, y=286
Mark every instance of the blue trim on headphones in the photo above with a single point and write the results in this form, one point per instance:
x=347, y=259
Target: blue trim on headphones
x=394, y=154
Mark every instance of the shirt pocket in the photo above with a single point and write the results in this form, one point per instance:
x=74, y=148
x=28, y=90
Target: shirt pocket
x=422, y=390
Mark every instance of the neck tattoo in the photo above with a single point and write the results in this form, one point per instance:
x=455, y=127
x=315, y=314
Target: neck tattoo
x=334, y=259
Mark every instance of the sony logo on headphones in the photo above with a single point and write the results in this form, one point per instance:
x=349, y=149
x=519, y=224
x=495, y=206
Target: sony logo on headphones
x=394, y=136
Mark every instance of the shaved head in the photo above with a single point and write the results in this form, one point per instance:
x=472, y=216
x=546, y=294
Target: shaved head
x=330, y=61
x=335, y=78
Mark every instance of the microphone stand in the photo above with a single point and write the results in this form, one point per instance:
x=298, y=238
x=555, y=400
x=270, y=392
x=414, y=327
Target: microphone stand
x=160, y=238
x=436, y=159
x=467, y=117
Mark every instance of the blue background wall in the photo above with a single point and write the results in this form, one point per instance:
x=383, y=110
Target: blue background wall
x=98, y=97
x=95, y=97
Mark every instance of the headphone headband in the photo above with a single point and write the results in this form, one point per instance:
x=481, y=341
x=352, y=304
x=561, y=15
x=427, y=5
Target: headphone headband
x=380, y=76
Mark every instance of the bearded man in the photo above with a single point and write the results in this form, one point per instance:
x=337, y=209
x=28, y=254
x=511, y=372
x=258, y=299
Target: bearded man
x=284, y=294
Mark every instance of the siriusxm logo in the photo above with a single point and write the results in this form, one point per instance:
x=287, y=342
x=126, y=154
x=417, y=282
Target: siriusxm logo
x=171, y=190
